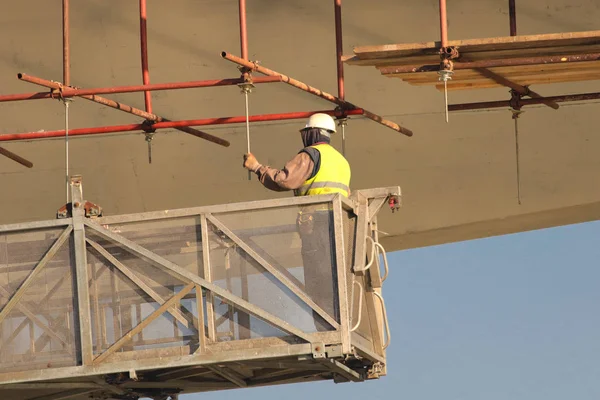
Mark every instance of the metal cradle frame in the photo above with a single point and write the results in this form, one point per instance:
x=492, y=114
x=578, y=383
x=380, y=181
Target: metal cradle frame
x=341, y=354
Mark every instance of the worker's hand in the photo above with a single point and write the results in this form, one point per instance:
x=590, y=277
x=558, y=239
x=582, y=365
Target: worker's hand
x=250, y=162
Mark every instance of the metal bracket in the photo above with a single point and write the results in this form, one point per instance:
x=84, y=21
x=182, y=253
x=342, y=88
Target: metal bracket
x=515, y=100
x=342, y=373
x=394, y=203
x=334, y=351
x=376, y=371
x=90, y=210
x=318, y=350
x=133, y=375
x=247, y=86
x=449, y=53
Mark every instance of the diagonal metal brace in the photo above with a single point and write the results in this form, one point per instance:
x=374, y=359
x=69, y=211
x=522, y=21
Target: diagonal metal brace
x=147, y=321
x=182, y=273
x=278, y=275
x=138, y=281
x=14, y=300
x=522, y=90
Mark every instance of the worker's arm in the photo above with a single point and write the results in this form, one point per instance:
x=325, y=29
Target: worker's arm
x=290, y=177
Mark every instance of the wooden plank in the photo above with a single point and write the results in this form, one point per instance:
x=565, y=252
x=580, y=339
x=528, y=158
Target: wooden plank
x=484, y=83
x=536, y=81
x=469, y=55
x=507, y=72
x=484, y=44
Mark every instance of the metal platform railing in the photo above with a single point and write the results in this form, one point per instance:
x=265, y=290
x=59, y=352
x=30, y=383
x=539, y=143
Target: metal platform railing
x=208, y=298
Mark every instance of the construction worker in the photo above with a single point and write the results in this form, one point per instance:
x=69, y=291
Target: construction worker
x=317, y=169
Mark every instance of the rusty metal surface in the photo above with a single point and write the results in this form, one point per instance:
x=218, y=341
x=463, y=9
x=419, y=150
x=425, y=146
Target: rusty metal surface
x=515, y=86
x=243, y=29
x=144, y=54
x=339, y=48
x=171, y=124
x=66, y=43
x=312, y=90
x=67, y=92
x=443, y=24
x=524, y=102
x=512, y=15
x=15, y=157
x=126, y=108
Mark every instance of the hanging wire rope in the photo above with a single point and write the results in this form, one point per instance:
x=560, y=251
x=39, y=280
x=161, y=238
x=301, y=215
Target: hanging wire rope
x=515, y=117
x=246, y=88
x=66, y=103
x=247, y=128
x=344, y=139
x=342, y=123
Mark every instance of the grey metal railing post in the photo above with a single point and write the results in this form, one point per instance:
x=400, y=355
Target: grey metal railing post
x=81, y=271
x=341, y=267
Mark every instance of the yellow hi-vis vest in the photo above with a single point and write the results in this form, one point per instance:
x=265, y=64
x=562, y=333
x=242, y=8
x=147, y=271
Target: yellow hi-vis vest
x=333, y=175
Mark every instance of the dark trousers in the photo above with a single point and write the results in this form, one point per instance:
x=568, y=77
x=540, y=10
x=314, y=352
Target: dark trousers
x=320, y=277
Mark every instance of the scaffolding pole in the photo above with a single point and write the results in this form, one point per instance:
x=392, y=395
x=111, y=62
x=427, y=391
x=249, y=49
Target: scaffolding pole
x=144, y=54
x=131, y=110
x=70, y=92
x=171, y=124
x=317, y=92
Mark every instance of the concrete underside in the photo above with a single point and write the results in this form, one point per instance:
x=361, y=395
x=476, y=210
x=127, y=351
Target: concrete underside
x=458, y=179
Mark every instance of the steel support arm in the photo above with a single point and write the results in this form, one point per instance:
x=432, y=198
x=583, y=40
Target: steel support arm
x=317, y=92
x=68, y=92
x=524, y=102
x=128, y=109
x=15, y=157
x=515, y=86
x=171, y=124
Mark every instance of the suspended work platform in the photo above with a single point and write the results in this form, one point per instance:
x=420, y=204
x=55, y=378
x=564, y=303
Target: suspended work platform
x=162, y=303
x=524, y=60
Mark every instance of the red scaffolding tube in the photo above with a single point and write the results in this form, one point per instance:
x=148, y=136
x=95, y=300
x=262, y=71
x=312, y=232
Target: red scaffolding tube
x=339, y=47
x=144, y=51
x=128, y=109
x=66, y=90
x=66, y=44
x=171, y=124
x=317, y=92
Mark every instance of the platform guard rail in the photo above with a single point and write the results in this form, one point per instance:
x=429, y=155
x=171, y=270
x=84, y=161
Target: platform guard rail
x=161, y=303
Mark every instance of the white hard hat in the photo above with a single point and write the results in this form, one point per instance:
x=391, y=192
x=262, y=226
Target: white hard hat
x=322, y=121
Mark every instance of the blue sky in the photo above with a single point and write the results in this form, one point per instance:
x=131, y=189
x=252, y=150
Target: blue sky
x=510, y=317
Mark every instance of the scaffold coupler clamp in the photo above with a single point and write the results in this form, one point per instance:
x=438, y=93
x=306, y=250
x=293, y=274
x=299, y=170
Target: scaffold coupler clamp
x=515, y=103
x=90, y=210
x=246, y=73
x=342, y=120
x=446, y=70
x=447, y=55
x=247, y=85
x=57, y=94
x=149, y=131
x=341, y=115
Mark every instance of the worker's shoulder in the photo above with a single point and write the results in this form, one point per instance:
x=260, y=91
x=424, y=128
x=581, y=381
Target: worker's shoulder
x=312, y=152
